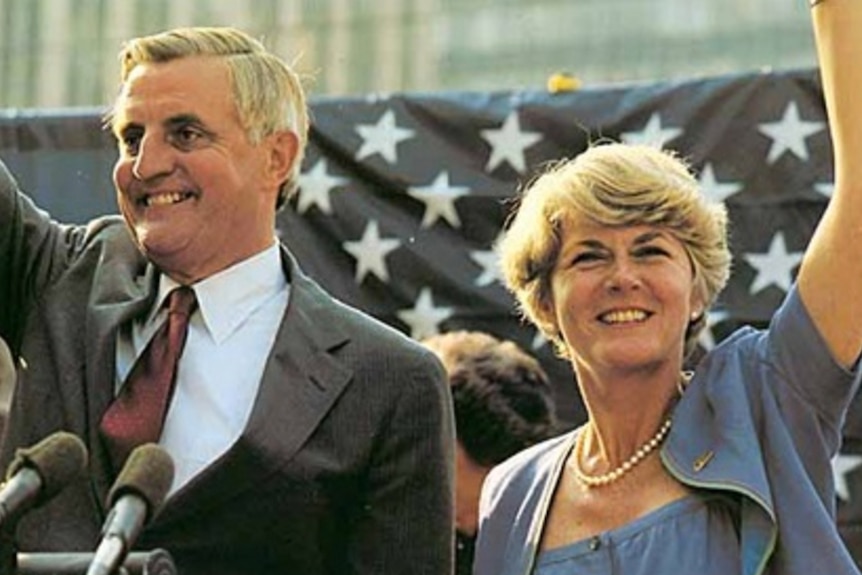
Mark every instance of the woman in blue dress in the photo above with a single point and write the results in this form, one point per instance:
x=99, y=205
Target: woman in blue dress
x=616, y=257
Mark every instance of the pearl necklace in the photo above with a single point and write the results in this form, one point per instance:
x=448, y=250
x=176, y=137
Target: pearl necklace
x=627, y=465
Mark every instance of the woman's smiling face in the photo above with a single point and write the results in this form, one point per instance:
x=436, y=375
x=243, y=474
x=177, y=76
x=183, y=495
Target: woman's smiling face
x=623, y=296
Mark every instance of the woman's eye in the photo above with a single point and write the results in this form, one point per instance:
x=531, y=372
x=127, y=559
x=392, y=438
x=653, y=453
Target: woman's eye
x=585, y=258
x=649, y=251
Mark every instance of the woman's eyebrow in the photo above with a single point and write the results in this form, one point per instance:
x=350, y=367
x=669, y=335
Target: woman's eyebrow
x=647, y=237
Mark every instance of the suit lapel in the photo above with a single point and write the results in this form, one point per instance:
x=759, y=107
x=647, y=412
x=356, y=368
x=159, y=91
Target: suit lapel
x=300, y=383
x=118, y=296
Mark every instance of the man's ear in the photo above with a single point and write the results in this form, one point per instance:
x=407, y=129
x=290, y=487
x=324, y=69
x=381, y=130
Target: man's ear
x=283, y=148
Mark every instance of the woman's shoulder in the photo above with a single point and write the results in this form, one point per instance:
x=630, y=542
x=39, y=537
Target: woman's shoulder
x=789, y=342
x=531, y=465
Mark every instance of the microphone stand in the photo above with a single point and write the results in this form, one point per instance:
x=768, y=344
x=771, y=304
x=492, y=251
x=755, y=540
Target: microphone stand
x=155, y=562
x=7, y=549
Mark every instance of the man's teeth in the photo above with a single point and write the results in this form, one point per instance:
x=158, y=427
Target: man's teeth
x=164, y=199
x=624, y=316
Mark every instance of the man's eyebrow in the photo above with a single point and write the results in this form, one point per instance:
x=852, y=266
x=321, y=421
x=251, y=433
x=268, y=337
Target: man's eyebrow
x=122, y=129
x=173, y=122
x=183, y=120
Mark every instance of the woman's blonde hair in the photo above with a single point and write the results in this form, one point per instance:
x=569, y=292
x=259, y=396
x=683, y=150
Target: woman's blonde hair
x=611, y=184
x=268, y=93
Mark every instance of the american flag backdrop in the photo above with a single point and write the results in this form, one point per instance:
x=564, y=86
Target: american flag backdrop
x=402, y=198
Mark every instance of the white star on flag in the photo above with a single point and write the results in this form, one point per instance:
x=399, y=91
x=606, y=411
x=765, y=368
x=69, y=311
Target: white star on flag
x=713, y=189
x=508, y=144
x=489, y=261
x=424, y=318
x=539, y=341
x=825, y=189
x=775, y=267
x=382, y=138
x=370, y=252
x=842, y=465
x=713, y=318
x=314, y=188
x=652, y=134
x=439, y=199
x=789, y=133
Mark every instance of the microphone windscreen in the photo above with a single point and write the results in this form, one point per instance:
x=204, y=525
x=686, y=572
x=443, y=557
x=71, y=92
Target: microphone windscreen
x=59, y=459
x=149, y=473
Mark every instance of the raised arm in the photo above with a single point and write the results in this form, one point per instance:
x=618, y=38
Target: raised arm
x=830, y=280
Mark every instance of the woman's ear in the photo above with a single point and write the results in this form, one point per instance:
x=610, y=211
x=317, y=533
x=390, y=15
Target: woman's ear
x=697, y=305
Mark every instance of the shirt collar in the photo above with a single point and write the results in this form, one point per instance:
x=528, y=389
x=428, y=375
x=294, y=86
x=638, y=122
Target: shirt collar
x=227, y=298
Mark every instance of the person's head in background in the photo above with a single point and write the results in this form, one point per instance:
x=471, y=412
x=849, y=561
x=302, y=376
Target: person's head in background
x=503, y=403
x=211, y=129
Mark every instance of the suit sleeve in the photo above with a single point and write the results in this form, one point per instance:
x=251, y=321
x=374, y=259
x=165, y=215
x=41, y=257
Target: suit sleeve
x=18, y=218
x=407, y=522
x=33, y=250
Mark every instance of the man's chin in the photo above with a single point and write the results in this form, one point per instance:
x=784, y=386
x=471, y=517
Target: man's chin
x=166, y=258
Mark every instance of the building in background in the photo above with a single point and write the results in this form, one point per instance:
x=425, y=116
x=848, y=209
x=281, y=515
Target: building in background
x=62, y=53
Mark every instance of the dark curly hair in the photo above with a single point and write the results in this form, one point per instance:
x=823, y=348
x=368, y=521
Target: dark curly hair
x=502, y=397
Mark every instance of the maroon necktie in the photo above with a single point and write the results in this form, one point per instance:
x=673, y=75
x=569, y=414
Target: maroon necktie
x=137, y=414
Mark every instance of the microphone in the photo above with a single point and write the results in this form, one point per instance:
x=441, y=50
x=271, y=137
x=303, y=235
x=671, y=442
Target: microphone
x=136, y=496
x=39, y=472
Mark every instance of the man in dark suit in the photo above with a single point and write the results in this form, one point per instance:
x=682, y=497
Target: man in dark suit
x=308, y=438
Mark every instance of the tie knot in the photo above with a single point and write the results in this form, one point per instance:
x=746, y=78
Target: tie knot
x=182, y=301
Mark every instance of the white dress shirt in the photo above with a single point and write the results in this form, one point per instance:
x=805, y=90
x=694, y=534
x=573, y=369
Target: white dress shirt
x=229, y=340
